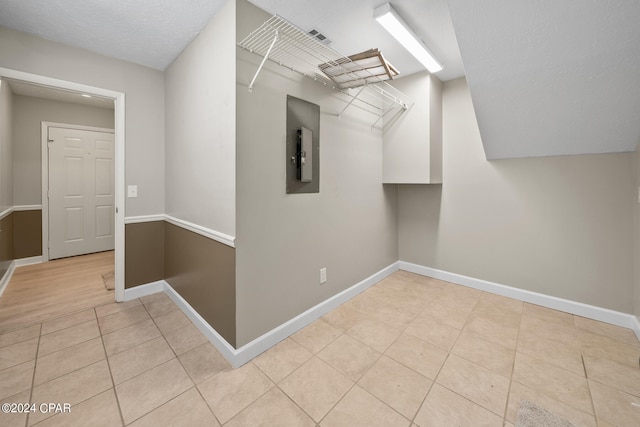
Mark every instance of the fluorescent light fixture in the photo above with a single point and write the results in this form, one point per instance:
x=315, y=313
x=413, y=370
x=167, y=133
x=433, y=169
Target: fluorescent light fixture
x=395, y=25
x=86, y=95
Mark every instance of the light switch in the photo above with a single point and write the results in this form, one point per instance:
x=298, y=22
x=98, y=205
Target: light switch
x=132, y=191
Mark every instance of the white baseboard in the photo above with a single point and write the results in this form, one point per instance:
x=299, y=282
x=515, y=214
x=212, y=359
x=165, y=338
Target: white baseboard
x=144, y=290
x=29, y=261
x=585, y=310
x=7, y=277
x=636, y=326
x=242, y=355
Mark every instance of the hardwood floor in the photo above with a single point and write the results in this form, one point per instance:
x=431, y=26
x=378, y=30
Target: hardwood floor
x=40, y=292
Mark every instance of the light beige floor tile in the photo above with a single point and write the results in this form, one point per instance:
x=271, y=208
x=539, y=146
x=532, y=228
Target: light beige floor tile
x=614, y=406
x=136, y=360
x=122, y=319
x=375, y=334
x=72, y=388
x=547, y=315
x=396, y=318
x=144, y=393
x=272, y=409
x=15, y=419
x=99, y=411
x=450, y=312
x=343, y=317
x=131, y=336
x=349, y=356
x=361, y=409
x=396, y=385
x=616, y=375
x=16, y=379
x=158, y=304
x=172, y=320
x=607, y=348
x=229, y=392
x=19, y=335
x=412, y=288
x=461, y=292
x=520, y=392
x=282, y=359
x=432, y=330
x=186, y=410
x=421, y=356
x=115, y=307
x=203, y=362
x=563, y=355
x=550, y=331
x=619, y=333
x=555, y=382
x=67, y=321
x=68, y=337
x=487, y=354
x=316, y=387
x=500, y=302
x=316, y=336
x=404, y=299
x=478, y=384
x=62, y=362
x=18, y=353
x=444, y=408
x=499, y=333
x=502, y=316
x=185, y=338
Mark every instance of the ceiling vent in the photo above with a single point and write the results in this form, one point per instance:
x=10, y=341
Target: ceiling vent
x=319, y=36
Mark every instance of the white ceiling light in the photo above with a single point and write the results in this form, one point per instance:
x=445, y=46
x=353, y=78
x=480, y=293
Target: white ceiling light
x=395, y=25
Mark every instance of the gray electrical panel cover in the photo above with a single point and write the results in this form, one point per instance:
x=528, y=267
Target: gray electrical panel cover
x=303, y=156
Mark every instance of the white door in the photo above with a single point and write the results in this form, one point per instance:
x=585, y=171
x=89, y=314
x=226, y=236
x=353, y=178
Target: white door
x=81, y=192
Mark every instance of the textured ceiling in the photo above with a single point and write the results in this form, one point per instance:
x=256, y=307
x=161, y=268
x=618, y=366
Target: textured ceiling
x=55, y=94
x=552, y=77
x=145, y=32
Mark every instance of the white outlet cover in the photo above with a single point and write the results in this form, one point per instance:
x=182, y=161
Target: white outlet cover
x=132, y=191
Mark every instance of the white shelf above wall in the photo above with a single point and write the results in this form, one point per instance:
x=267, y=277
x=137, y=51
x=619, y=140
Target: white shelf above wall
x=287, y=45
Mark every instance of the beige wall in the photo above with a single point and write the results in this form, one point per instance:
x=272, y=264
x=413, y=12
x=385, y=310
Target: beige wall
x=283, y=240
x=200, y=127
x=144, y=89
x=636, y=235
x=28, y=113
x=6, y=155
x=560, y=226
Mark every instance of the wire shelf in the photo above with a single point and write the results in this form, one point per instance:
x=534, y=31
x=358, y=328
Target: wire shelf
x=288, y=46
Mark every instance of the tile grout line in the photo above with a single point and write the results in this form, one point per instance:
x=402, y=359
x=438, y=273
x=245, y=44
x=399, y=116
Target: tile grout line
x=113, y=384
x=513, y=368
x=33, y=377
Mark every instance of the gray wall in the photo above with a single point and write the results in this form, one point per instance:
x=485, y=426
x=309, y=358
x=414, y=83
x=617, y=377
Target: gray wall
x=200, y=127
x=6, y=165
x=283, y=240
x=28, y=112
x=556, y=225
x=144, y=89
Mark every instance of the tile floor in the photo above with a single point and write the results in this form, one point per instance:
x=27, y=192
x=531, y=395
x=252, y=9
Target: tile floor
x=410, y=351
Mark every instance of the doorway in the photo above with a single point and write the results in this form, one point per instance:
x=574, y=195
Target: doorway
x=119, y=157
x=79, y=197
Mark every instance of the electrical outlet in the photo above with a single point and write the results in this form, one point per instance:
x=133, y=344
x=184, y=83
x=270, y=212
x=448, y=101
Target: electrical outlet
x=323, y=275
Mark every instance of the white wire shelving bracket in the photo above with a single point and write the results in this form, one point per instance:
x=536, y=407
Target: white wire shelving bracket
x=288, y=46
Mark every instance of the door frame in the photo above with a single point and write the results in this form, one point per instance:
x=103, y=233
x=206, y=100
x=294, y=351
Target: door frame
x=44, y=133
x=119, y=128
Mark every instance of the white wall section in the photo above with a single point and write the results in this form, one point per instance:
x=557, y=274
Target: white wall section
x=28, y=114
x=6, y=147
x=559, y=226
x=283, y=240
x=144, y=88
x=200, y=128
